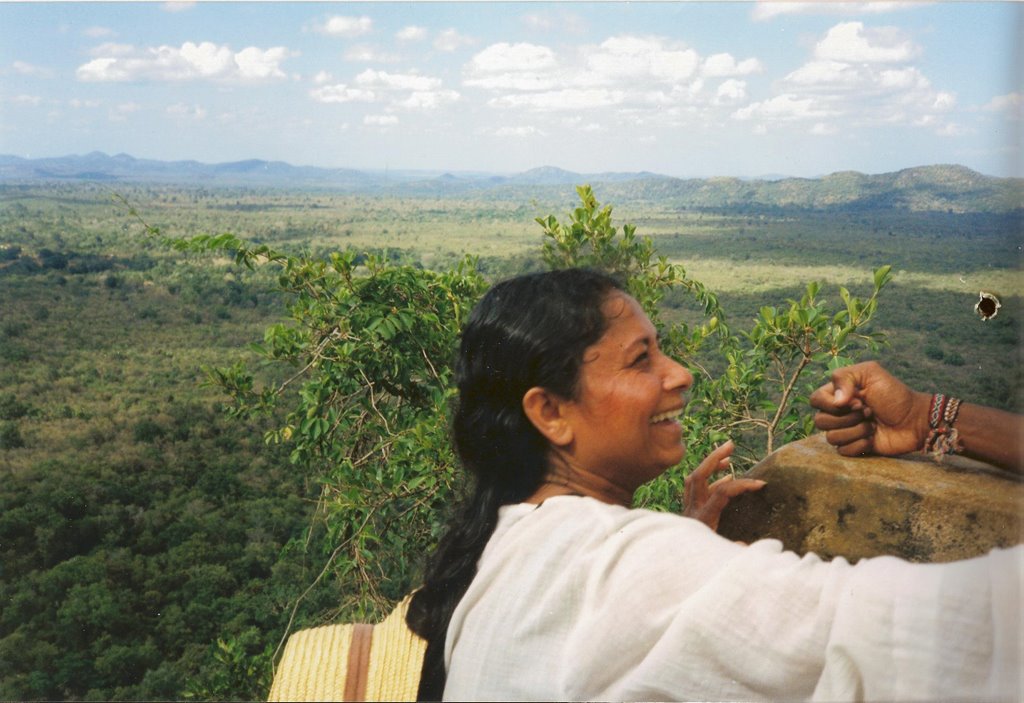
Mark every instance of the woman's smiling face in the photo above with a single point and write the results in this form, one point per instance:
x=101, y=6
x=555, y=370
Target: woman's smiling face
x=625, y=418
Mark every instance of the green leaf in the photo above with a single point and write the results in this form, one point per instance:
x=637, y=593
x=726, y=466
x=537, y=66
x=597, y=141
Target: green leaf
x=882, y=276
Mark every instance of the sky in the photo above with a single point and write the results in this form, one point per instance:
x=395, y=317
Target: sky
x=689, y=89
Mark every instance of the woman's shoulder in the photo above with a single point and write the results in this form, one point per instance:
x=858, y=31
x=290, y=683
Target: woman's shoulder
x=587, y=524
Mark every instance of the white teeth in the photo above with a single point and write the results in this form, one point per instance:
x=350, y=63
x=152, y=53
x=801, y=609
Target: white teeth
x=670, y=415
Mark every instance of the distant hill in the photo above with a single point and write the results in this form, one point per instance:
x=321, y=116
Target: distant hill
x=925, y=188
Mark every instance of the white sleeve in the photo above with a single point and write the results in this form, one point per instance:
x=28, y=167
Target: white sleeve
x=583, y=602
x=769, y=624
x=927, y=631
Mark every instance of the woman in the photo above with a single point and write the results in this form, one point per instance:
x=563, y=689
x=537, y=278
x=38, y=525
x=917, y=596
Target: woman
x=548, y=586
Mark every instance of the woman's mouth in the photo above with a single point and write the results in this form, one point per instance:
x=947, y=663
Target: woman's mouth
x=668, y=415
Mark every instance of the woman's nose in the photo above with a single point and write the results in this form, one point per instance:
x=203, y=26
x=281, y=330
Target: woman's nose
x=677, y=376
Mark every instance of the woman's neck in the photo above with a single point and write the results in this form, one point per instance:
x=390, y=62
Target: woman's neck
x=563, y=478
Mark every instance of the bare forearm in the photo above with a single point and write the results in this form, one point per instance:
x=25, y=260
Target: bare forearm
x=993, y=436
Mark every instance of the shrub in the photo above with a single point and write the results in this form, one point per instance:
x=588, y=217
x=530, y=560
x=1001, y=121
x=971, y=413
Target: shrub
x=953, y=359
x=11, y=408
x=10, y=436
x=147, y=431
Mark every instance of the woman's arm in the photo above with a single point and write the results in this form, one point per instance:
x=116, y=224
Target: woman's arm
x=864, y=409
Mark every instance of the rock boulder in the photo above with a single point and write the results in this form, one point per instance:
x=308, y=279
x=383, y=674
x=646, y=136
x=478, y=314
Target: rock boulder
x=912, y=507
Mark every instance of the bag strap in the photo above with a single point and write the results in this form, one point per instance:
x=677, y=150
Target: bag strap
x=358, y=662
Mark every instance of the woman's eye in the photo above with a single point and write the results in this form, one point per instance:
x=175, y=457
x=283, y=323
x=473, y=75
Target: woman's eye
x=642, y=359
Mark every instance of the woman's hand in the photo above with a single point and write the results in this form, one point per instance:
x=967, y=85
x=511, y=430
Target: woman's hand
x=705, y=502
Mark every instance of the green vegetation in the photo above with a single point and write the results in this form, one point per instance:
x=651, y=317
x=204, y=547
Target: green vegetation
x=155, y=546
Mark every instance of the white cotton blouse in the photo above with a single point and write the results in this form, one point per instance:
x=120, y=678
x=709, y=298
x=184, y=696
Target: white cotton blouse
x=579, y=600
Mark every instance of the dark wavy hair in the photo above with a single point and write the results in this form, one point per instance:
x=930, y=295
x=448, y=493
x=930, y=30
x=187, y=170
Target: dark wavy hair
x=527, y=331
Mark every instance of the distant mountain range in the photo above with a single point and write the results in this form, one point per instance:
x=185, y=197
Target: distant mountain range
x=943, y=188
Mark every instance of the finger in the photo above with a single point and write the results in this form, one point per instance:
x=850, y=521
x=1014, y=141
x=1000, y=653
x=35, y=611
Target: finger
x=695, y=486
x=845, y=383
x=724, y=490
x=830, y=421
x=856, y=448
x=824, y=398
x=716, y=460
x=730, y=487
x=849, y=435
x=720, y=482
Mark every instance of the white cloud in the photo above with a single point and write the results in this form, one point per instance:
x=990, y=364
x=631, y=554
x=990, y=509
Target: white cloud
x=98, y=32
x=322, y=77
x=539, y=20
x=731, y=91
x=178, y=5
x=527, y=131
x=823, y=129
x=205, y=61
x=724, y=65
x=79, y=104
x=397, y=81
x=257, y=64
x=952, y=129
x=567, y=22
x=26, y=69
x=769, y=10
x=27, y=100
x=826, y=73
x=111, y=49
x=121, y=112
x=629, y=74
x=513, y=80
x=428, y=99
x=851, y=42
x=346, y=27
x=364, y=53
x=864, y=75
x=380, y=120
x=341, y=93
x=409, y=91
x=450, y=40
x=502, y=57
x=506, y=66
x=631, y=57
x=567, y=99
x=102, y=70
x=195, y=112
x=944, y=102
x=411, y=33
x=1011, y=104
x=908, y=78
x=782, y=107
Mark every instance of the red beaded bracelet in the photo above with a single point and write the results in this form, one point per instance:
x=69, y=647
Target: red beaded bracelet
x=943, y=438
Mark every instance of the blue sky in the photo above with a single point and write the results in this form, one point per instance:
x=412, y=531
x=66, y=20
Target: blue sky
x=679, y=88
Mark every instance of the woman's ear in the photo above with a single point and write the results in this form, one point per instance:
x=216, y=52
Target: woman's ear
x=546, y=410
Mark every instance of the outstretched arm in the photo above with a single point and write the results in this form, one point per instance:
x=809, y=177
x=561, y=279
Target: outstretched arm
x=864, y=409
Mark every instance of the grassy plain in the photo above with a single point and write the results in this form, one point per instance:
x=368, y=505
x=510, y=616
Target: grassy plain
x=138, y=524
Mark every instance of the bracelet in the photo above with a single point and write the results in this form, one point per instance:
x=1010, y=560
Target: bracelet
x=943, y=438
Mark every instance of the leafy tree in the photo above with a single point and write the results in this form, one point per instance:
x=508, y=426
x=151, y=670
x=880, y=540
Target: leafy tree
x=359, y=380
